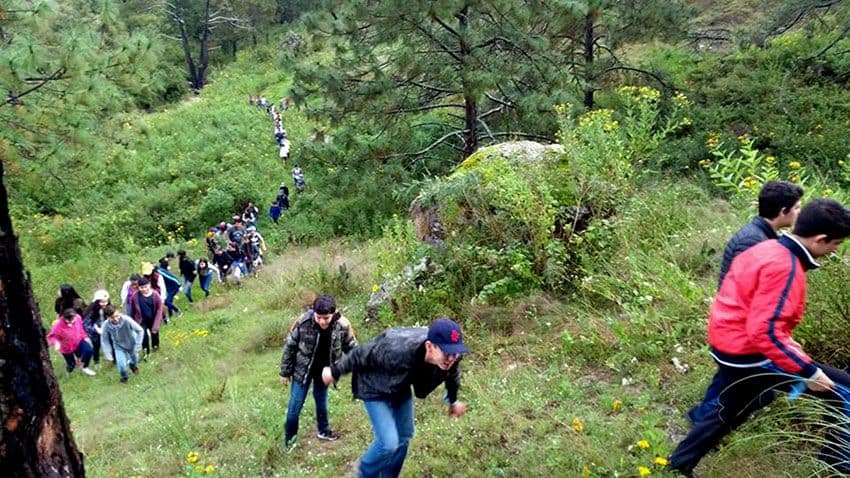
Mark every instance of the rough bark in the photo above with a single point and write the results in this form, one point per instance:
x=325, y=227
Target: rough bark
x=470, y=103
x=36, y=434
x=589, y=41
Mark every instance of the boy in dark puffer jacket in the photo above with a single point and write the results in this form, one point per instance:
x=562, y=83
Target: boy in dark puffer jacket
x=316, y=340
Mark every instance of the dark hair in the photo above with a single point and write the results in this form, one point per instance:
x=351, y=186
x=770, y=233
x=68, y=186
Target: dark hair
x=181, y=253
x=823, y=216
x=324, y=304
x=776, y=196
x=169, y=255
x=163, y=263
x=135, y=278
x=109, y=310
x=144, y=281
x=69, y=313
x=67, y=294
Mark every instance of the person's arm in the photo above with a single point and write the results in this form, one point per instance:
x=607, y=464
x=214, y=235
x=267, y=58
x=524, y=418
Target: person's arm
x=290, y=351
x=106, y=343
x=54, y=337
x=772, y=316
x=138, y=335
x=349, y=342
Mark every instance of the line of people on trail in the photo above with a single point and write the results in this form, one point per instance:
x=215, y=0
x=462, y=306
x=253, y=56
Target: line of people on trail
x=281, y=202
x=236, y=249
x=83, y=333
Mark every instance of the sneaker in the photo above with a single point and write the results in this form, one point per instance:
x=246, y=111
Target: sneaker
x=124, y=380
x=290, y=445
x=135, y=369
x=89, y=372
x=329, y=435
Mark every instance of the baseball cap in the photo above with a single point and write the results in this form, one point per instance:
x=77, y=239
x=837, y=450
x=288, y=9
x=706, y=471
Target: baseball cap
x=446, y=334
x=147, y=268
x=100, y=295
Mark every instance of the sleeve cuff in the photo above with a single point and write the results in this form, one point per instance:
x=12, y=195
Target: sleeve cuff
x=335, y=373
x=809, y=370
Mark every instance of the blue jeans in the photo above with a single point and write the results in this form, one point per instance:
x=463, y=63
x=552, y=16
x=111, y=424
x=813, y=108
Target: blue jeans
x=392, y=423
x=297, y=396
x=84, y=351
x=169, y=302
x=206, y=281
x=187, y=288
x=125, y=359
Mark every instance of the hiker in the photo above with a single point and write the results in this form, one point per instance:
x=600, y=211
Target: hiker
x=93, y=322
x=250, y=214
x=147, y=312
x=68, y=298
x=69, y=338
x=187, y=270
x=236, y=231
x=165, y=261
x=384, y=369
x=760, y=302
x=284, y=150
x=206, y=272
x=172, y=288
x=250, y=100
x=122, y=340
x=211, y=242
x=226, y=264
x=298, y=178
x=150, y=273
x=130, y=287
x=319, y=338
x=779, y=204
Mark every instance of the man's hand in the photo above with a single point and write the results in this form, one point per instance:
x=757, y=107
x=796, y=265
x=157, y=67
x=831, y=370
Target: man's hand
x=820, y=382
x=327, y=376
x=457, y=409
x=284, y=381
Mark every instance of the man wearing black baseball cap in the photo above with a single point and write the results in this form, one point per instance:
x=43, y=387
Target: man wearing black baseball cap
x=383, y=372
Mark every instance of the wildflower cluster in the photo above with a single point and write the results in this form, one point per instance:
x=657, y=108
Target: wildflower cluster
x=602, y=117
x=195, y=467
x=180, y=336
x=644, y=93
x=658, y=462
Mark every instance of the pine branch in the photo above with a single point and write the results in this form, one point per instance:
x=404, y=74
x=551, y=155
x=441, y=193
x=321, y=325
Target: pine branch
x=14, y=99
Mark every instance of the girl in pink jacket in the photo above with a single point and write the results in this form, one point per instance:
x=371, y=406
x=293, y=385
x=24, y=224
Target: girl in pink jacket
x=69, y=338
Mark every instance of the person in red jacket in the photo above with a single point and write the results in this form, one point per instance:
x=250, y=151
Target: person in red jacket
x=760, y=302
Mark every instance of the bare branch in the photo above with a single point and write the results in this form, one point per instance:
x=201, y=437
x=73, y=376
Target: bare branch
x=459, y=133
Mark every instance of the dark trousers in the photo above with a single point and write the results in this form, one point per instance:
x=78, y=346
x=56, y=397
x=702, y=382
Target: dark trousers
x=735, y=393
x=83, y=351
x=297, y=397
x=151, y=338
x=95, y=345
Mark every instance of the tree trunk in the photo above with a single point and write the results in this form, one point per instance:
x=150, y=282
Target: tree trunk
x=36, y=434
x=470, y=136
x=205, y=49
x=589, y=40
x=187, y=52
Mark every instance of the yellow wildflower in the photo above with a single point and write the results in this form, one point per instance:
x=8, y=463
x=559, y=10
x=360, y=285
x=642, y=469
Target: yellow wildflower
x=686, y=121
x=617, y=405
x=795, y=178
x=827, y=192
x=794, y=165
x=744, y=138
x=660, y=461
x=585, y=471
x=705, y=163
x=193, y=457
x=199, y=468
x=681, y=99
x=644, y=471
x=770, y=159
x=578, y=426
x=375, y=288
x=209, y=469
x=643, y=444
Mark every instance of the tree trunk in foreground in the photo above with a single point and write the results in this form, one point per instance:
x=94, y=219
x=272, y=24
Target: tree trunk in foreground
x=36, y=438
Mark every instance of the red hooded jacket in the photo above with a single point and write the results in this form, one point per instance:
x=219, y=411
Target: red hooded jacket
x=760, y=302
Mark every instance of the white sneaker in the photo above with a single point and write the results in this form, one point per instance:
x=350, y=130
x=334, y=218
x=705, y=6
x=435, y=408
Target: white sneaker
x=89, y=372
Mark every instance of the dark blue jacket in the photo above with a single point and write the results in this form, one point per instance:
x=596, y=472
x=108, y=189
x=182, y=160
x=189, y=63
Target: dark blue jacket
x=758, y=230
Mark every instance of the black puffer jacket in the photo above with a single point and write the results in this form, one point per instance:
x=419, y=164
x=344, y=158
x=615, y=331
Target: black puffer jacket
x=300, y=347
x=758, y=230
x=387, y=366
